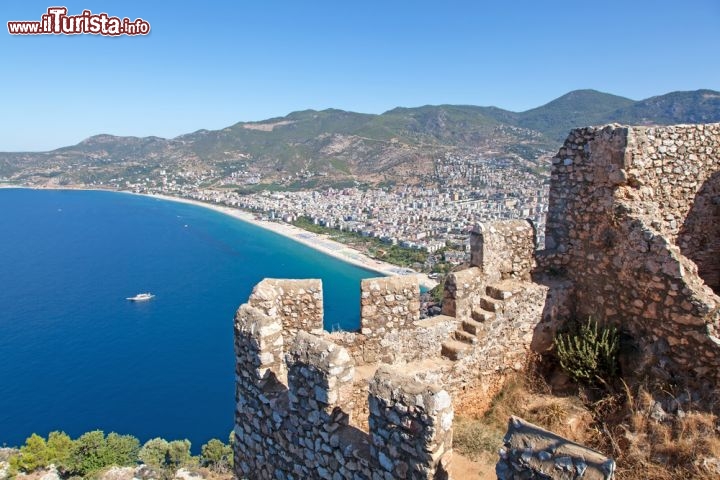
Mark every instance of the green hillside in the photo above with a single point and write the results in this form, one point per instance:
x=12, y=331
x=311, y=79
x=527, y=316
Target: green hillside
x=575, y=109
x=309, y=147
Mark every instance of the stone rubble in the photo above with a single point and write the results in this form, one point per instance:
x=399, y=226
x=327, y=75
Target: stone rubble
x=532, y=452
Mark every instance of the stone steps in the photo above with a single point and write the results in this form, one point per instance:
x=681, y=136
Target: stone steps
x=472, y=330
x=482, y=316
x=472, y=327
x=465, y=337
x=454, y=350
x=498, y=292
x=491, y=304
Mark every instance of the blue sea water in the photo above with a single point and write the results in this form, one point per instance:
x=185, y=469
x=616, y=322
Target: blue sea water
x=75, y=355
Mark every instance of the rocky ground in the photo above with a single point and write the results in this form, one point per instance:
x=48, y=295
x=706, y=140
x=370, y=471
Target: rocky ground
x=141, y=472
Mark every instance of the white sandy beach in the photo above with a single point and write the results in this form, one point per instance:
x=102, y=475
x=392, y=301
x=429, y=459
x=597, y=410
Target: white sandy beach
x=318, y=242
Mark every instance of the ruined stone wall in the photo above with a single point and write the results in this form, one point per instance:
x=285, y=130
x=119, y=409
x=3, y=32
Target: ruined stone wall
x=293, y=412
x=299, y=303
x=402, y=409
x=421, y=339
x=668, y=166
x=462, y=292
x=503, y=340
x=620, y=198
x=677, y=170
x=500, y=314
x=699, y=237
x=498, y=250
x=503, y=249
x=388, y=305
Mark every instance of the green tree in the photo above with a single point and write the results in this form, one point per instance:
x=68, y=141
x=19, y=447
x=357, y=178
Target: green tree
x=178, y=454
x=122, y=450
x=166, y=456
x=216, y=456
x=59, y=447
x=154, y=452
x=33, y=455
x=89, y=453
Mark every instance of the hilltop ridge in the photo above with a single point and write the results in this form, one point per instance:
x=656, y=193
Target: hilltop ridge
x=311, y=148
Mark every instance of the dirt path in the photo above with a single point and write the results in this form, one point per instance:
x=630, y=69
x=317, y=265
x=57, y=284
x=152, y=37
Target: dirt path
x=462, y=468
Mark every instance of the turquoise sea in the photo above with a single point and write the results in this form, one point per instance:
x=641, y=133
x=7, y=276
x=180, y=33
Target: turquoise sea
x=75, y=355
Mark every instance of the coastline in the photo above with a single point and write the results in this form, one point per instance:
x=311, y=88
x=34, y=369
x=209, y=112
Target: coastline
x=315, y=241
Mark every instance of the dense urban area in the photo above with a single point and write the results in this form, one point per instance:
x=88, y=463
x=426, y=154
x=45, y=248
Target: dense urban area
x=433, y=218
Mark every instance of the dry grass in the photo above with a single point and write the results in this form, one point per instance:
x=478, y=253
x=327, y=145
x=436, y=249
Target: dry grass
x=646, y=442
x=480, y=435
x=475, y=440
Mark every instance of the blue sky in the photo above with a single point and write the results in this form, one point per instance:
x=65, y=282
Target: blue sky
x=212, y=64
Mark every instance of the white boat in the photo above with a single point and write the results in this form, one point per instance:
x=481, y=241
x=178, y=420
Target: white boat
x=141, y=297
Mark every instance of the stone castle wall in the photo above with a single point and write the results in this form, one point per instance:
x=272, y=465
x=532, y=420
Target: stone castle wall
x=462, y=292
x=388, y=305
x=302, y=413
x=498, y=251
x=419, y=340
x=503, y=342
x=503, y=249
x=390, y=327
x=633, y=239
x=299, y=403
x=500, y=313
x=630, y=207
x=699, y=238
x=299, y=303
x=292, y=419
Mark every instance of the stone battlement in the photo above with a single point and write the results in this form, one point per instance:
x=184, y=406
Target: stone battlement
x=295, y=399
x=299, y=401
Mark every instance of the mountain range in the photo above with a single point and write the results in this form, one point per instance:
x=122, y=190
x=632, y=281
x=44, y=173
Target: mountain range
x=310, y=148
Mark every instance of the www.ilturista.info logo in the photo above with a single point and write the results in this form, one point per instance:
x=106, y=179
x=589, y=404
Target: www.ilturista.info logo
x=57, y=22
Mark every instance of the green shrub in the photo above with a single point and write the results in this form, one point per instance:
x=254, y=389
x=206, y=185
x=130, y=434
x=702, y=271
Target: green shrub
x=59, y=447
x=122, y=449
x=166, y=455
x=178, y=454
x=33, y=455
x=92, y=451
x=88, y=453
x=589, y=355
x=154, y=452
x=216, y=456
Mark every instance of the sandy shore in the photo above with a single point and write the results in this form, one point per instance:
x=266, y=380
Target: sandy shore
x=318, y=242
